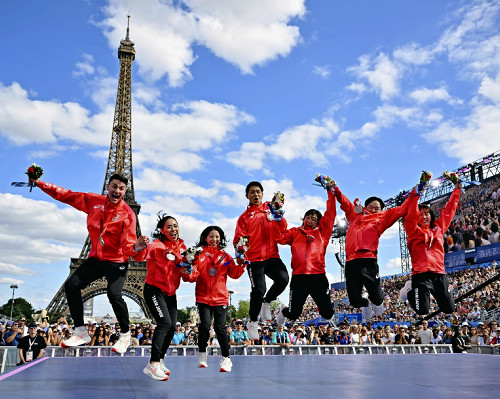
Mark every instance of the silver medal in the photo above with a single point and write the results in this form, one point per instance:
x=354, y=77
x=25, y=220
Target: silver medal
x=171, y=257
x=212, y=271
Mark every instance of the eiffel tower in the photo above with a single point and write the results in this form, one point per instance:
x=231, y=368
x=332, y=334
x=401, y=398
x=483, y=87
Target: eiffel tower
x=119, y=161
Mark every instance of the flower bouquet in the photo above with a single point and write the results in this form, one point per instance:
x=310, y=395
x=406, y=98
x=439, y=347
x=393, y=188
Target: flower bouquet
x=34, y=172
x=323, y=180
x=188, y=258
x=241, y=248
x=451, y=176
x=276, y=207
x=424, y=182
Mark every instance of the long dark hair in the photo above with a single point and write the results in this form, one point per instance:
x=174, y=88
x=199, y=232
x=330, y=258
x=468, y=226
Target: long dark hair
x=204, y=234
x=161, y=218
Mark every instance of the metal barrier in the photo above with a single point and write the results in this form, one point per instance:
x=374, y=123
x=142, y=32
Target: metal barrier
x=9, y=356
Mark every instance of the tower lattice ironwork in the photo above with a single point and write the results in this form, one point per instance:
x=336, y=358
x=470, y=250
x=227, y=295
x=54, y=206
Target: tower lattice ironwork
x=119, y=161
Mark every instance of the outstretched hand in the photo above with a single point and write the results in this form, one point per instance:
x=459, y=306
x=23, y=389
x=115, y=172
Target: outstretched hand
x=331, y=185
x=141, y=243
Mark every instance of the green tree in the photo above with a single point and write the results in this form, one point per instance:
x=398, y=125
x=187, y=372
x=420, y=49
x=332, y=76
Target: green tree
x=22, y=308
x=243, y=309
x=231, y=312
x=183, y=314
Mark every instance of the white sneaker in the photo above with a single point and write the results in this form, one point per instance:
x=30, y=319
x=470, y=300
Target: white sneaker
x=265, y=311
x=280, y=318
x=202, y=360
x=226, y=365
x=123, y=343
x=163, y=367
x=80, y=337
x=403, y=293
x=367, y=312
x=155, y=371
x=378, y=310
x=253, y=330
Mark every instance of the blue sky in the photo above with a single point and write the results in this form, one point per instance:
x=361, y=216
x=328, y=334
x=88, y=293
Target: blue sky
x=226, y=92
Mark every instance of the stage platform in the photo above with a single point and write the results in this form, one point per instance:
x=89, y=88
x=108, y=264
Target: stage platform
x=271, y=377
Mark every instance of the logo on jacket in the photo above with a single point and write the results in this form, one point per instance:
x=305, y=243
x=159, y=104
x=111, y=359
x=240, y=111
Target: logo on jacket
x=116, y=217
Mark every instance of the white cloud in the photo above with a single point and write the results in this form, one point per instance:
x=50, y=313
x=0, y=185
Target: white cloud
x=201, y=124
x=322, y=71
x=471, y=137
x=392, y=266
x=425, y=95
x=38, y=231
x=13, y=270
x=85, y=66
x=490, y=88
x=413, y=54
x=246, y=34
x=381, y=73
x=48, y=121
x=357, y=87
x=7, y=280
x=311, y=141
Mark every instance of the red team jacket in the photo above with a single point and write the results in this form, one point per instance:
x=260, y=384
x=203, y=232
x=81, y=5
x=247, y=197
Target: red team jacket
x=212, y=290
x=112, y=227
x=425, y=244
x=163, y=273
x=365, y=229
x=309, y=245
x=259, y=229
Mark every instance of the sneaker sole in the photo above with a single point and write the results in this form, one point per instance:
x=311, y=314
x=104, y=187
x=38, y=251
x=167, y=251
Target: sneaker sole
x=64, y=346
x=154, y=377
x=202, y=366
x=225, y=371
x=116, y=351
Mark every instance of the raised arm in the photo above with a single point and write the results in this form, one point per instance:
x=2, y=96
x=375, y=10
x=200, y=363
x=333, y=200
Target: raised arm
x=446, y=216
x=77, y=200
x=328, y=219
x=345, y=204
x=413, y=215
x=392, y=215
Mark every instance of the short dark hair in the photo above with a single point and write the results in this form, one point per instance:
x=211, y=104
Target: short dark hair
x=204, y=234
x=313, y=212
x=119, y=177
x=253, y=183
x=375, y=199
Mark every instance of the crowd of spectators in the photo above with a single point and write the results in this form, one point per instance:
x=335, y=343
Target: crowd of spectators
x=346, y=333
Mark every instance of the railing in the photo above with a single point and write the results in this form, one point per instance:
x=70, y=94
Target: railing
x=9, y=356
